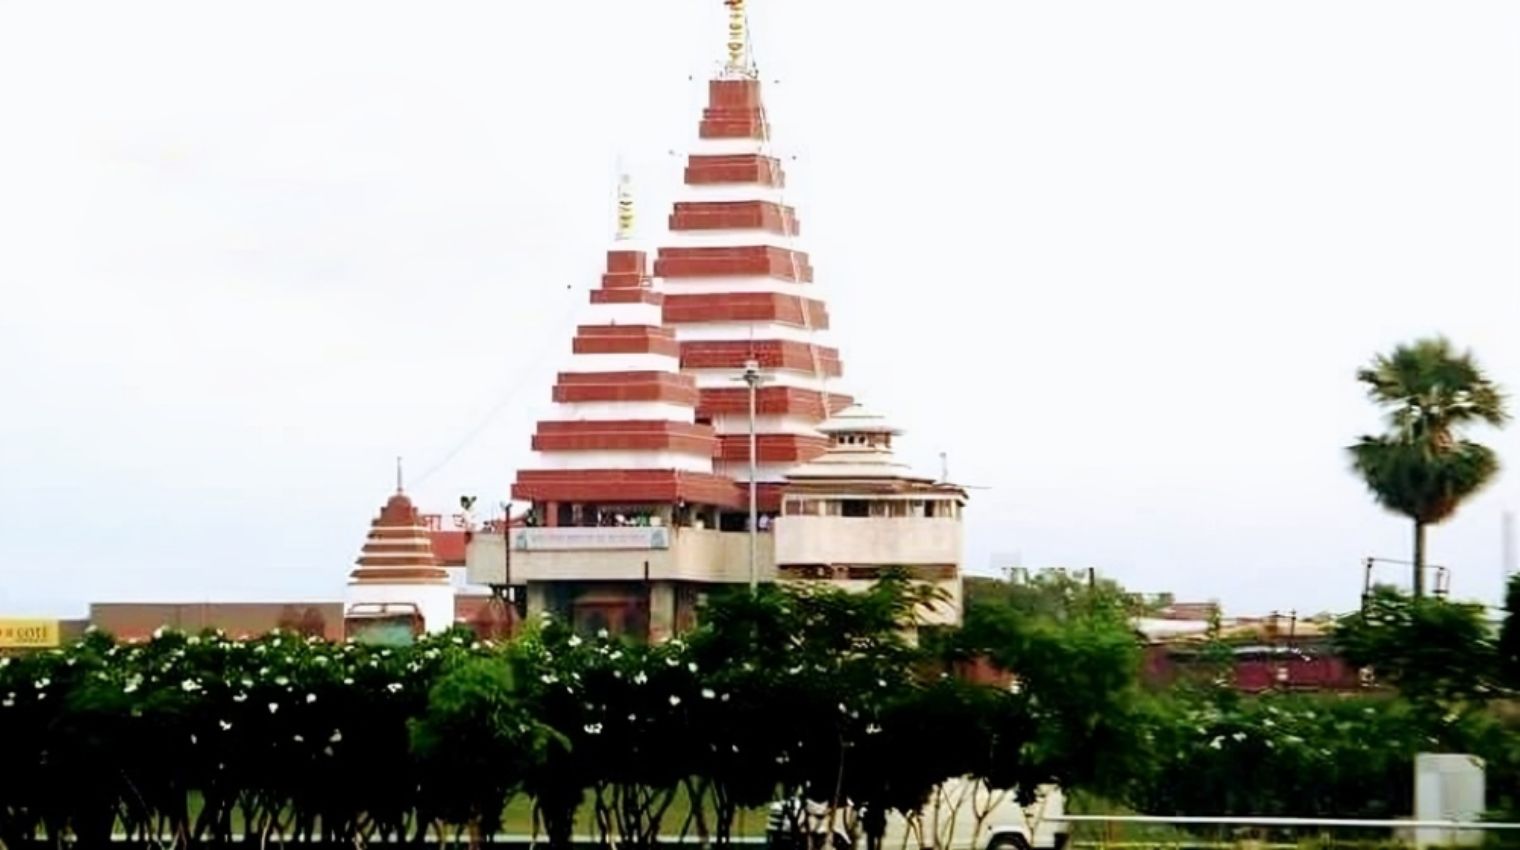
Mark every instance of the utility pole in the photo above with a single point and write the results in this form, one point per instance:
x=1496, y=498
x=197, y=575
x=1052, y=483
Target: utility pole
x=502, y=591
x=752, y=379
x=506, y=567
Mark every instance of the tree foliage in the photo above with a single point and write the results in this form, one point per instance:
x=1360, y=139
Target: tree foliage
x=1507, y=651
x=1071, y=648
x=1434, y=651
x=474, y=742
x=791, y=692
x=1293, y=755
x=186, y=736
x=1218, y=752
x=787, y=693
x=1057, y=595
x=1422, y=467
x=1427, y=389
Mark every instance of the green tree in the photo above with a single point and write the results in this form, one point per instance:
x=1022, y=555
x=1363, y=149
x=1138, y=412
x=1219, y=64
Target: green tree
x=1422, y=467
x=1508, y=649
x=1058, y=595
x=1076, y=659
x=1436, y=652
x=475, y=744
x=1286, y=755
x=821, y=670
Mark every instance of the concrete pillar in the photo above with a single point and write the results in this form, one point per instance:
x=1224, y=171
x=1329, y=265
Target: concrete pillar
x=537, y=597
x=662, y=611
x=1448, y=786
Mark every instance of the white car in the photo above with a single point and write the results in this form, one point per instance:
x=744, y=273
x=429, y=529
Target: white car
x=961, y=814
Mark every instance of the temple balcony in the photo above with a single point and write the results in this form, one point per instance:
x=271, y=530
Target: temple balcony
x=897, y=540
x=850, y=540
x=619, y=553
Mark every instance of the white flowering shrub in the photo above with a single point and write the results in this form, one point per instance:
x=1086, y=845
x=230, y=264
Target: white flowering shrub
x=281, y=734
x=1296, y=755
x=790, y=693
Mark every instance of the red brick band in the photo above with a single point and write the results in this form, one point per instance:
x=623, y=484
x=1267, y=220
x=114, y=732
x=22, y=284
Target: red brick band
x=734, y=215
x=722, y=261
x=734, y=168
x=771, y=354
x=627, y=486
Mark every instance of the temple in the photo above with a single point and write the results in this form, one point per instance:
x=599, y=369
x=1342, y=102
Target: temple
x=398, y=581
x=697, y=438
x=642, y=476
x=855, y=513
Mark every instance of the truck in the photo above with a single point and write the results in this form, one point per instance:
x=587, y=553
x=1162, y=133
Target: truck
x=960, y=814
x=383, y=623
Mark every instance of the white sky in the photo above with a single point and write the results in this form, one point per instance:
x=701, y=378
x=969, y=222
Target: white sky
x=1119, y=259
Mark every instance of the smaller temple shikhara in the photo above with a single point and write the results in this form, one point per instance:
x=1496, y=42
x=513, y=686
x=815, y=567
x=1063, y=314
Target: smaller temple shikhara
x=639, y=491
x=398, y=581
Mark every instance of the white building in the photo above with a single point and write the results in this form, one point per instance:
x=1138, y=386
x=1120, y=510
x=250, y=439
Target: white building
x=855, y=512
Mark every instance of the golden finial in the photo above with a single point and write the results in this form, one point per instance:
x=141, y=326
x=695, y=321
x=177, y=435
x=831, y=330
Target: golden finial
x=624, y=207
x=738, y=36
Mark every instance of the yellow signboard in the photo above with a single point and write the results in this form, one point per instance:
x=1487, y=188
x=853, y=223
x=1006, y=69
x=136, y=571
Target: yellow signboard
x=28, y=634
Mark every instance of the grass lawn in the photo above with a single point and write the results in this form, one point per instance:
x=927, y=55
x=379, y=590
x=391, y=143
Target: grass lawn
x=519, y=817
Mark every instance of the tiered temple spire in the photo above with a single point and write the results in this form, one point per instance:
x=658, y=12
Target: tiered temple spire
x=652, y=408
x=623, y=429
x=397, y=566
x=649, y=437
x=737, y=286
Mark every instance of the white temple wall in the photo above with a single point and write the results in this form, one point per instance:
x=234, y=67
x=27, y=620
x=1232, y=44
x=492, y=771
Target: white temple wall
x=623, y=362
x=883, y=541
x=730, y=331
x=604, y=410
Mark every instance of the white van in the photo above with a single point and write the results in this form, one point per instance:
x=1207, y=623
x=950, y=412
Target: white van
x=961, y=814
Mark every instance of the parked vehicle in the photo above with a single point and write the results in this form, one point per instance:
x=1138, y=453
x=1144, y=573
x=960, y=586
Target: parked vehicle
x=383, y=623
x=961, y=814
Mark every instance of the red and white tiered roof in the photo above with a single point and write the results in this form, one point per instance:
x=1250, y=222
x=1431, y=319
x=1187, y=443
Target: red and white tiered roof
x=398, y=570
x=398, y=549
x=623, y=429
x=653, y=407
x=738, y=286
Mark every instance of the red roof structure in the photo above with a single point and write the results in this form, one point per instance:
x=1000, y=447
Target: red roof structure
x=399, y=548
x=652, y=408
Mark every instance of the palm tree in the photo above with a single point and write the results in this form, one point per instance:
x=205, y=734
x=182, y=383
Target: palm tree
x=1423, y=468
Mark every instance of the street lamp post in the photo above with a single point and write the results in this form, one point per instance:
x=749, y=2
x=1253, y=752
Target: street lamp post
x=506, y=565
x=752, y=379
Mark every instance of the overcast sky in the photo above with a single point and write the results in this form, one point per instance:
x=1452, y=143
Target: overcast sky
x=1119, y=259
